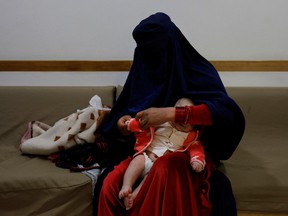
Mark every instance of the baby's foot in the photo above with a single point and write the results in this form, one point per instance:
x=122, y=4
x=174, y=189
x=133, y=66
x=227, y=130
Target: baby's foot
x=128, y=201
x=125, y=191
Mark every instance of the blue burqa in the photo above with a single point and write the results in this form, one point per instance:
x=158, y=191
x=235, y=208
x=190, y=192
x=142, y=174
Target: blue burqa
x=165, y=68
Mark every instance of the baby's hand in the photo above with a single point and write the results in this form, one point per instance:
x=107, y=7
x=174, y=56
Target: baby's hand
x=196, y=166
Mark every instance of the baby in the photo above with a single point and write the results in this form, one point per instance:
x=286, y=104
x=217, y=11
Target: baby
x=156, y=142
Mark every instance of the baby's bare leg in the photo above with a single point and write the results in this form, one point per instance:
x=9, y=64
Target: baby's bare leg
x=132, y=173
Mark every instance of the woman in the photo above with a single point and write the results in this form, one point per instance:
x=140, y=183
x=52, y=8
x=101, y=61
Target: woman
x=165, y=68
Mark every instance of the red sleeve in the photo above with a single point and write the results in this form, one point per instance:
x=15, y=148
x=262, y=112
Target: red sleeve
x=195, y=115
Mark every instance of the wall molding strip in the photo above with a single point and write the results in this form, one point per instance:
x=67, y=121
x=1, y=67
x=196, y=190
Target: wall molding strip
x=124, y=65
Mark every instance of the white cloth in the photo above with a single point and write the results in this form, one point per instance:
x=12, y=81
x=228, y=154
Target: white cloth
x=77, y=128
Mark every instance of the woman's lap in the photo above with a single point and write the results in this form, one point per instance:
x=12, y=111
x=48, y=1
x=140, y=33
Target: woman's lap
x=169, y=189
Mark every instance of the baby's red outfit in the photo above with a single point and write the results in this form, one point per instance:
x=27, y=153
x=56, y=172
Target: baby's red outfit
x=191, y=145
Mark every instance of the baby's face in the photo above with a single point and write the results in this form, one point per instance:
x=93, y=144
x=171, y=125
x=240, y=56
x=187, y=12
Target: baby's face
x=182, y=127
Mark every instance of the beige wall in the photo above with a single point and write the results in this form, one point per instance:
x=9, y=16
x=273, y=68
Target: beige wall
x=101, y=30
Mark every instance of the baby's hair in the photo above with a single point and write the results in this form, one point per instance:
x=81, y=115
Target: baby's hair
x=184, y=102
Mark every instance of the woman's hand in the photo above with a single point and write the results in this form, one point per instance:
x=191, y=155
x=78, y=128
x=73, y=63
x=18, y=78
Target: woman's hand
x=182, y=127
x=155, y=116
x=122, y=126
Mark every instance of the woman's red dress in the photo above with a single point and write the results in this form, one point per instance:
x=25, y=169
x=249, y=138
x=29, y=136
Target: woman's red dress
x=170, y=189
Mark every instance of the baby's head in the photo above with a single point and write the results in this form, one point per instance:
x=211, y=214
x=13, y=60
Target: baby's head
x=182, y=102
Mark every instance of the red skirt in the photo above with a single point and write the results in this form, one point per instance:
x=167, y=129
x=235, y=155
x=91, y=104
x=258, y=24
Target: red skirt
x=170, y=189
